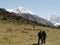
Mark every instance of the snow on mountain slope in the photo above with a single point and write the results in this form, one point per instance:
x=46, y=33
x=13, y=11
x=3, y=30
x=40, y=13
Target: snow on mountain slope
x=54, y=19
x=57, y=24
x=21, y=10
x=27, y=14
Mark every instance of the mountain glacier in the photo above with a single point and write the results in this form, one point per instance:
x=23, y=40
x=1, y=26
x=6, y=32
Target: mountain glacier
x=54, y=19
x=27, y=14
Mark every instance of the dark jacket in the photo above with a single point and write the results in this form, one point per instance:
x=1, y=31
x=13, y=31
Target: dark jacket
x=44, y=34
x=40, y=34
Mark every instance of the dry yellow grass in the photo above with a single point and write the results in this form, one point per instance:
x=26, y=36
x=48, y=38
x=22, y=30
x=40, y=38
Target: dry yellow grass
x=22, y=34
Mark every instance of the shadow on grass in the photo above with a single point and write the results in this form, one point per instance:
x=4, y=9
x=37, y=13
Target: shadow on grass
x=36, y=44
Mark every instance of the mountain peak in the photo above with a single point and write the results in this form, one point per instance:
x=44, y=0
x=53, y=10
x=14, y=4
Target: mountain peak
x=21, y=10
x=54, y=19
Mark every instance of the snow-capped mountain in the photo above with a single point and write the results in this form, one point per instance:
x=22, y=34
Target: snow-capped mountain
x=27, y=14
x=54, y=19
x=21, y=10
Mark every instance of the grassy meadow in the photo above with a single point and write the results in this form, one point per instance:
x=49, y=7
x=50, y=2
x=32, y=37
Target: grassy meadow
x=26, y=34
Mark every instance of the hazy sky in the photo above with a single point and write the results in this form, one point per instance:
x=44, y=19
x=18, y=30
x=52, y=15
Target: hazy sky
x=42, y=8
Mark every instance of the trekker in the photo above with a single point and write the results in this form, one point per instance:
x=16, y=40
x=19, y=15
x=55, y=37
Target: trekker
x=44, y=37
x=40, y=36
